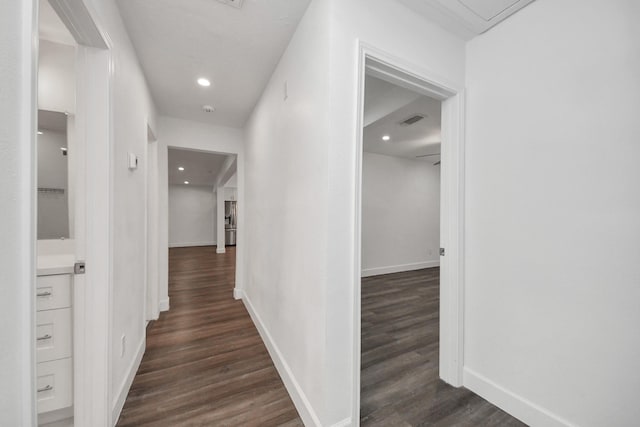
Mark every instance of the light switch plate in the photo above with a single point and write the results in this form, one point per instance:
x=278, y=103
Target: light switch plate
x=133, y=161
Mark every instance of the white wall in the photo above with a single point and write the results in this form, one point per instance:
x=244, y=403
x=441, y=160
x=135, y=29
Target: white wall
x=132, y=111
x=18, y=30
x=53, y=208
x=300, y=275
x=287, y=206
x=400, y=214
x=230, y=193
x=56, y=77
x=553, y=208
x=392, y=28
x=192, y=216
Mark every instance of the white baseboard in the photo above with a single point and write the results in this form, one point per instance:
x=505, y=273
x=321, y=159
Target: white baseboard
x=344, y=423
x=521, y=408
x=58, y=418
x=302, y=404
x=220, y=250
x=123, y=391
x=237, y=293
x=190, y=244
x=163, y=305
x=376, y=271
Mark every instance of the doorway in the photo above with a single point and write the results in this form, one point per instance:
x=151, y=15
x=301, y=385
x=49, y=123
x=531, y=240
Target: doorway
x=400, y=252
x=58, y=167
x=73, y=303
x=397, y=72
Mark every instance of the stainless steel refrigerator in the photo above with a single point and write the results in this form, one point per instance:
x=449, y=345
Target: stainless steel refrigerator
x=230, y=222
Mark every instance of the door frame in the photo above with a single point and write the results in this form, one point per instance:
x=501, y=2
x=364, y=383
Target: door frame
x=402, y=72
x=92, y=292
x=152, y=292
x=212, y=147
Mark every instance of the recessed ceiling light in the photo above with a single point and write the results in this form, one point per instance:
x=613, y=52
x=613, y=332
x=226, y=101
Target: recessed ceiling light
x=63, y=148
x=186, y=182
x=386, y=138
x=39, y=132
x=180, y=168
x=204, y=82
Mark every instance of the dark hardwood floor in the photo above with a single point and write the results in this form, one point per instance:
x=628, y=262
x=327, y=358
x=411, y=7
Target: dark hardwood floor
x=205, y=364
x=399, y=381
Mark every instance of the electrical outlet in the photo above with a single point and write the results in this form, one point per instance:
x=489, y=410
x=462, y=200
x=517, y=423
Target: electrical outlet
x=123, y=342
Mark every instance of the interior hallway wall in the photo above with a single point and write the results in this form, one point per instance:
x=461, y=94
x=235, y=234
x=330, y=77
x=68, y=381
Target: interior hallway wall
x=18, y=73
x=300, y=275
x=133, y=112
x=192, y=216
x=553, y=213
x=398, y=31
x=400, y=214
x=56, y=77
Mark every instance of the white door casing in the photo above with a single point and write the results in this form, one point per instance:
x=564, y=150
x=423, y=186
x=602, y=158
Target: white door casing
x=403, y=73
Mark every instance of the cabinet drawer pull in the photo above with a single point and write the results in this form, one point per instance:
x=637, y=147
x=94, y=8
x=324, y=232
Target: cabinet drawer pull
x=47, y=388
x=44, y=294
x=46, y=337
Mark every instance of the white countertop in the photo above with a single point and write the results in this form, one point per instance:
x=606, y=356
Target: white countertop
x=55, y=264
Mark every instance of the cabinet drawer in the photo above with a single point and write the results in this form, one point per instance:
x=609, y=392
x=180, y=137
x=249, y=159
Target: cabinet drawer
x=53, y=334
x=53, y=292
x=55, y=385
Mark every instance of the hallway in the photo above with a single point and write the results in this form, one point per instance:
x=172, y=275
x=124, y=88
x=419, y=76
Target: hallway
x=400, y=385
x=205, y=363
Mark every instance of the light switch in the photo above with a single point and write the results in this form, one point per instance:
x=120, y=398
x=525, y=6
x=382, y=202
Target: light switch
x=133, y=161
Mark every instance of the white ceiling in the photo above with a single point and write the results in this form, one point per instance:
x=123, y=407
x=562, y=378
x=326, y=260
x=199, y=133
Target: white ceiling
x=178, y=41
x=200, y=168
x=50, y=27
x=398, y=104
x=466, y=18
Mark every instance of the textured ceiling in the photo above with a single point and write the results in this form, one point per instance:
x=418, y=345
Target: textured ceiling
x=392, y=105
x=178, y=41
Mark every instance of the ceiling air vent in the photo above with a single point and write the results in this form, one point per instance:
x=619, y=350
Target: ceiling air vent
x=412, y=120
x=235, y=3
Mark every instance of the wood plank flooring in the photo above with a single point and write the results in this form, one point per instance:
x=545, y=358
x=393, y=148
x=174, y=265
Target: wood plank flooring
x=399, y=380
x=205, y=364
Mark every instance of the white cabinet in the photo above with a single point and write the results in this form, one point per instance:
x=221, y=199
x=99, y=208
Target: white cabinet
x=54, y=342
x=55, y=385
x=53, y=334
x=53, y=292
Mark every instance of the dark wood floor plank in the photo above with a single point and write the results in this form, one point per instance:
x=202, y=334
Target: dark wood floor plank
x=400, y=384
x=205, y=364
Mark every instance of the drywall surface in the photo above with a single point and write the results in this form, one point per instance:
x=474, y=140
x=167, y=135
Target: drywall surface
x=56, y=77
x=18, y=30
x=286, y=206
x=553, y=208
x=53, y=208
x=185, y=134
x=400, y=214
x=132, y=111
x=192, y=216
x=394, y=29
x=301, y=151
